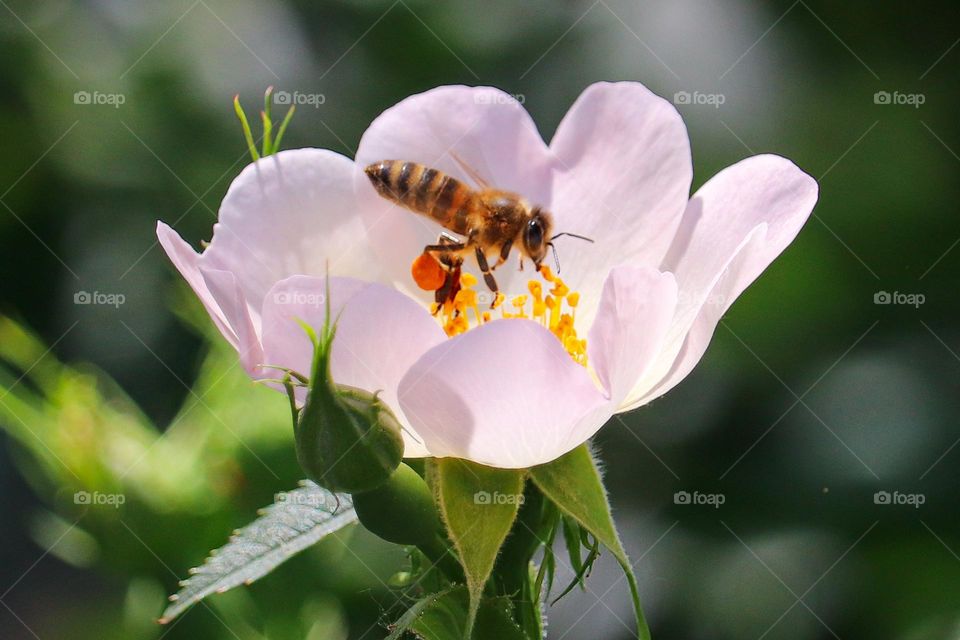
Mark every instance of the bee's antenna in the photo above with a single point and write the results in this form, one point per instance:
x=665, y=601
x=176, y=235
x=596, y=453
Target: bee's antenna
x=556, y=257
x=572, y=235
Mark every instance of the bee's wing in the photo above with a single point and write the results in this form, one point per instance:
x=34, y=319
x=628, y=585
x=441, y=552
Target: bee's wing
x=470, y=171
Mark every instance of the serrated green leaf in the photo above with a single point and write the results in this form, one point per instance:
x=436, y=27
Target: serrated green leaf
x=573, y=483
x=479, y=505
x=443, y=616
x=296, y=520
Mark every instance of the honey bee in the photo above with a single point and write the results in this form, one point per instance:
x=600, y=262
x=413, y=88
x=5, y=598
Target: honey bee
x=490, y=221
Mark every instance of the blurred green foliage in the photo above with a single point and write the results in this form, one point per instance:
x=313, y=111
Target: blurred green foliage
x=811, y=398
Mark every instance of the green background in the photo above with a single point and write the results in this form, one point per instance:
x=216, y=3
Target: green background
x=811, y=399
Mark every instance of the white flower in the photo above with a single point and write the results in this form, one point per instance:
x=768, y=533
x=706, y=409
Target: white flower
x=663, y=269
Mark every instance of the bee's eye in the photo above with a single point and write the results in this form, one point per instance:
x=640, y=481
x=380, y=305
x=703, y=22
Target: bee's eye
x=534, y=234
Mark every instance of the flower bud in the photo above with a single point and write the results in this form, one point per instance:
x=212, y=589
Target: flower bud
x=347, y=439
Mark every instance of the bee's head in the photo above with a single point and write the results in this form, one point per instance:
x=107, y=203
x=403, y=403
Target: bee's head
x=536, y=235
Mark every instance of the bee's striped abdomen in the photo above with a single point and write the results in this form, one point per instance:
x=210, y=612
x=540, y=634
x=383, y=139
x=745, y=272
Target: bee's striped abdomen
x=423, y=190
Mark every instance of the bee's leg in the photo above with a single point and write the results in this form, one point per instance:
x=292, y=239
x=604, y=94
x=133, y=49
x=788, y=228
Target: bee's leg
x=504, y=254
x=451, y=280
x=444, y=248
x=441, y=294
x=487, y=276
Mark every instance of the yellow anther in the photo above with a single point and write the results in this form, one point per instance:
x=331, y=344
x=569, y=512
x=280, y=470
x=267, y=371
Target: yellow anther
x=554, y=311
x=547, y=274
x=560, y=290
x=466, y=298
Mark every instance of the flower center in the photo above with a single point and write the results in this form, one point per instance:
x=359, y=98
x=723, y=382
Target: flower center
x=554, y=309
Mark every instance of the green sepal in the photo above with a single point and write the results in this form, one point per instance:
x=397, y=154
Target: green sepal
x=479, y=505
x=575, y=537
x=271, y=143
x=573, y=483
x=347, y=439
x=245, y=125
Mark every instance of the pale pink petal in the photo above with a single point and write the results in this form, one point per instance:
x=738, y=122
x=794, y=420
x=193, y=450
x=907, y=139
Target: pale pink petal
x=291, y=213
x=486, y=128
x=733, y=228
x=636, y=308
x=505, y=394
x=187, y=262
x=380, y=334
x=228, y=294
x=624, y=171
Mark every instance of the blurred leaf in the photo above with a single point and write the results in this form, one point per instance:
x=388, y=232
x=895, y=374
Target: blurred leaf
x=573, y=483
x=296, y=520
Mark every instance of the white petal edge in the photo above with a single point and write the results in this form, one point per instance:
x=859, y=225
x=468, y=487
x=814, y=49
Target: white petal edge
x=228, y=293
x=186, y=261
x=636, y=308
x=733, y=228
x=291, y=213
